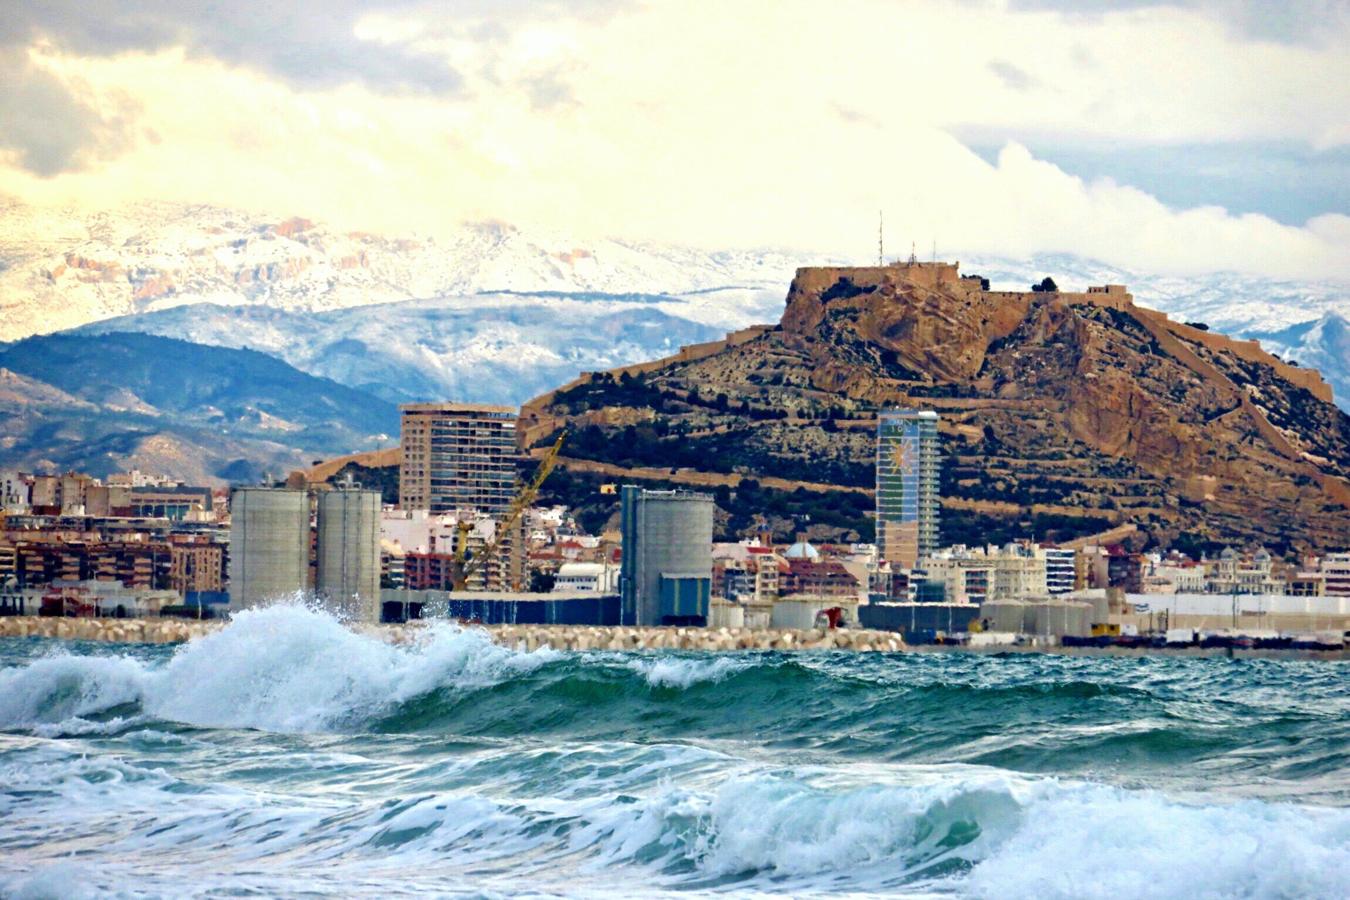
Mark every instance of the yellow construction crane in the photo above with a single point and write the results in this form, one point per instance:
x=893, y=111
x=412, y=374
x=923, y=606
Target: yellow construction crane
x=466, y=565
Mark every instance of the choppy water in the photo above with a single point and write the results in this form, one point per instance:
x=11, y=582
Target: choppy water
x=288, y=756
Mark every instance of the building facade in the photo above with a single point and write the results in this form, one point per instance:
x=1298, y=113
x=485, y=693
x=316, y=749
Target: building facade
x=665, y=576
x=587, y=577
x=1061, y=570
x=964, y=578
x=907, y=486
x=1335, y=571
x=458, y=456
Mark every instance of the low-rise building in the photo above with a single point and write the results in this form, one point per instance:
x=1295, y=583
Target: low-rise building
x=965, y=577
x=1238, y=573
x=574, y=577
x=818, y=579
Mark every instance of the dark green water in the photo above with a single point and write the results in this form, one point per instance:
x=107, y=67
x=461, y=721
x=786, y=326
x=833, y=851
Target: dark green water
x=286, y=756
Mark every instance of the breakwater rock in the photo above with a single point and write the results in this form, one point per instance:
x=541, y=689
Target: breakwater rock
x=523, y=637
x=129, y=631
x=574, y=637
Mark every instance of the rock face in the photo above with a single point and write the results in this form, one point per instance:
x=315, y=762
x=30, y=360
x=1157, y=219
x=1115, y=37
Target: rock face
x=1055, y=407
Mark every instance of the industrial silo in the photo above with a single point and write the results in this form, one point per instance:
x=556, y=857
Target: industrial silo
x=1052, y=617
x=666, y=572
x=348, y=575
x=269, y=545
x=1008, y=615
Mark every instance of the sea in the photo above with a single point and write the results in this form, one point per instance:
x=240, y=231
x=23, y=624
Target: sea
x=288, y=756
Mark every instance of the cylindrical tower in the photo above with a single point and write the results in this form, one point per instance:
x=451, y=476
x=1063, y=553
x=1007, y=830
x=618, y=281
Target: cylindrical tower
x=667, y=556
x=269, y=545
x=348, y=575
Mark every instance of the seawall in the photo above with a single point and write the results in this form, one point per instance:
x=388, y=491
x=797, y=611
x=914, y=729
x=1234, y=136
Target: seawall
x=526, y=637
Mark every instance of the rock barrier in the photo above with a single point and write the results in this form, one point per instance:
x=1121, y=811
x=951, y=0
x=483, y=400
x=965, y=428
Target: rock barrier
x=521, y=637
x=130, y=631
x=626, y=638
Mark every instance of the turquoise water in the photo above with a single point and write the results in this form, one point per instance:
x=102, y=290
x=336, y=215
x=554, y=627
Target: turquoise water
x=287, y=756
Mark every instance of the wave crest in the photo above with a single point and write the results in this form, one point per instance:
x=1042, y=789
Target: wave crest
x=282, y=668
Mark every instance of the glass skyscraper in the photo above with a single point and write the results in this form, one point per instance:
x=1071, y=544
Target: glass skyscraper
x=907, y=485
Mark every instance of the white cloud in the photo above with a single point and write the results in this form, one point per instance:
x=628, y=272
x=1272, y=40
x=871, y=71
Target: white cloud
x=784, y=123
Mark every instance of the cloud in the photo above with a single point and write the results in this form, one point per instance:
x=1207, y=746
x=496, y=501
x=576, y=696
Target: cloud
x=1280, y=21
x=1286, y=180
x=1012, y=76
x=729, y=125
x=548, y=89
x=49, y=128
x=312, y=44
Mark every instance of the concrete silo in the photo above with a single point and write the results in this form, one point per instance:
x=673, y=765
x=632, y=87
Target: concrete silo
x=348, y=574
x=269, y=545
x=1053, y=617
x=1008, y=615
x=666, y=575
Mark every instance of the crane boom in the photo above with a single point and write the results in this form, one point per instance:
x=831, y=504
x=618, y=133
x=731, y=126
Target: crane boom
x=466, y=567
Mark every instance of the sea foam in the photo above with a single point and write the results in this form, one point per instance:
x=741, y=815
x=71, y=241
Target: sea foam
x=284, y=668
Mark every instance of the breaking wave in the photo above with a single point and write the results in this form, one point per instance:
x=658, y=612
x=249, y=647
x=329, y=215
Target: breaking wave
x=288, y=755
x=285, y=668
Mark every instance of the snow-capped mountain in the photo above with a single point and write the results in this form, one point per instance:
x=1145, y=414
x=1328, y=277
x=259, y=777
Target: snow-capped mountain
x=490, y=347
x=496, y=312
x=60, y=270
x=1323, y=344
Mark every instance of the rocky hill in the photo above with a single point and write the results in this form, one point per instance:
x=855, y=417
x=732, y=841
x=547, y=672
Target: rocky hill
x=206, y=414
x=1062, y=413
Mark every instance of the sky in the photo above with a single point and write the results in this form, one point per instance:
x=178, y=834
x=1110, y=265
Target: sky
x=1185, y=136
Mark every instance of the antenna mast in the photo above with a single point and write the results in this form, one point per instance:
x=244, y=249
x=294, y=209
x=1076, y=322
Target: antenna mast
x=881, y=233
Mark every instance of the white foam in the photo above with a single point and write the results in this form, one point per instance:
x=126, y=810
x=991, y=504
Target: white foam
x=1018, y=836
x=61, y=881
x=683, y=672
x=874, y=829
x=1090, y=841
x=55, y=688
x=283, y=668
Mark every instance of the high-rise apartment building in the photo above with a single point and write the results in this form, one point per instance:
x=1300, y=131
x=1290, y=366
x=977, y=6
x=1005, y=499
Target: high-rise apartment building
x=457, y=456
x=907, y=486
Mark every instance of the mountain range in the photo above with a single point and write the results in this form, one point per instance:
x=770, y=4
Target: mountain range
x=498, y=348
x=516, y=308
x=493, y=313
